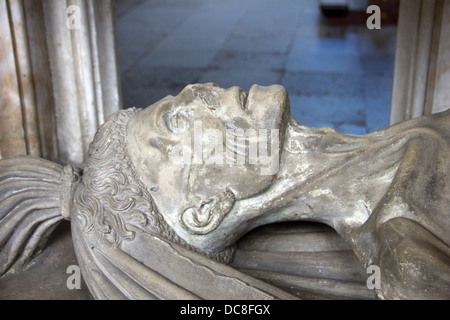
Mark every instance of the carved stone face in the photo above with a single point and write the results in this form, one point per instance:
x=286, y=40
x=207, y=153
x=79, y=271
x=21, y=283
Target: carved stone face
x=181, y=145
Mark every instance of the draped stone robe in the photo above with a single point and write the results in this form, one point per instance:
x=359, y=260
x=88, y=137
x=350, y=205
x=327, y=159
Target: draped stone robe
x=131, y=253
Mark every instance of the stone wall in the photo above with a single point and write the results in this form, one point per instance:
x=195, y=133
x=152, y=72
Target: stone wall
x=58, y=76
x=422, y=64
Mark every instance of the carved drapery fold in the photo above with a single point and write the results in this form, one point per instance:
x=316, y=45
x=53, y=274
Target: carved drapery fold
x=59, y=81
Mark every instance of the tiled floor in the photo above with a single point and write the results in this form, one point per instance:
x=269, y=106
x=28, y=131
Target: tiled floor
x=336, y=76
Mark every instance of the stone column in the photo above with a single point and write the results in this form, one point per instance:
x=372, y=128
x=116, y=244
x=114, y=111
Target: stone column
x=58, y=76
x=422, y=62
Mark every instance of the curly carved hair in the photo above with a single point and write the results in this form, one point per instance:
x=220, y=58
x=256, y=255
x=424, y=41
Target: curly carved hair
x=111, y=196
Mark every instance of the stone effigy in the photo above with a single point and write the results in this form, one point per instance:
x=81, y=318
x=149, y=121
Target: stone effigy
x=168, y=191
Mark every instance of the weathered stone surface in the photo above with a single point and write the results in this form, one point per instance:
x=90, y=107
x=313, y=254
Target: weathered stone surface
x=58, y=83
x=167, y=193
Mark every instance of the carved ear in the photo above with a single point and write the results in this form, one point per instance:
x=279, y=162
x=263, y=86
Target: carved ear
x=208, y=215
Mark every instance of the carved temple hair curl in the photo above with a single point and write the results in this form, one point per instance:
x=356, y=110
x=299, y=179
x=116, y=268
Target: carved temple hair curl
x=111, y=197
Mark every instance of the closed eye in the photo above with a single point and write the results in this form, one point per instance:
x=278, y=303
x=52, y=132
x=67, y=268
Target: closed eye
x=178, y=122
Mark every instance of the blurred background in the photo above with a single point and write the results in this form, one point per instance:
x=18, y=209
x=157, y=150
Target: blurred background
x=337, y=71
